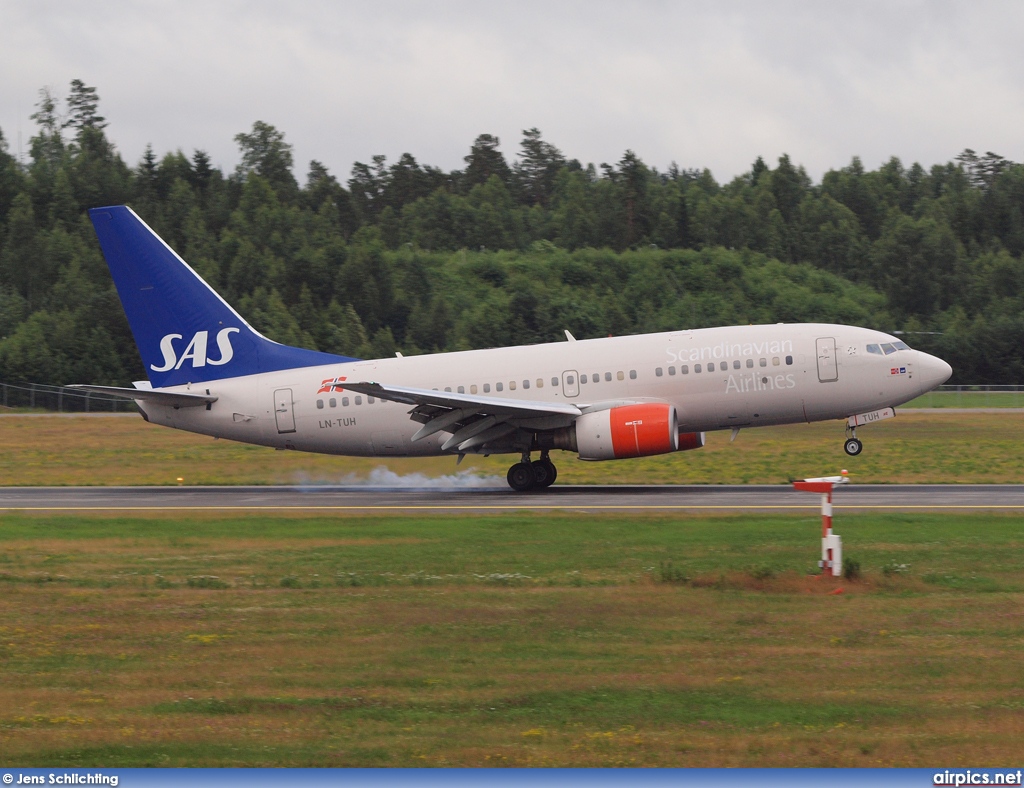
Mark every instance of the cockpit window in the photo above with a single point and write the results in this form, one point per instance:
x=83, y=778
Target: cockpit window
x=900, y=345
x=875, y=349
x=888, y=348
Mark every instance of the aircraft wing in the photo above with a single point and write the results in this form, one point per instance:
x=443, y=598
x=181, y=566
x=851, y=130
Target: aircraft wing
x=474, y=421
x=172, y=398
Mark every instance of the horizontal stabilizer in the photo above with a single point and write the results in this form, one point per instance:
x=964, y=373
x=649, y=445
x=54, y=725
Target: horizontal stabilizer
x=171, y=398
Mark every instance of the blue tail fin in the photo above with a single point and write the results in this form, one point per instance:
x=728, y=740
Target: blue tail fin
x=186, y=333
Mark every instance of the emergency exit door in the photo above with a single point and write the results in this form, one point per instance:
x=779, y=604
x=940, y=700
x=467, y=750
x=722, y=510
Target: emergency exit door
x=828, y=369
x=283, y=411
x=570, y=383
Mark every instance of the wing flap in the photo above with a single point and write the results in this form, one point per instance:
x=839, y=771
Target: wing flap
x=472, y=421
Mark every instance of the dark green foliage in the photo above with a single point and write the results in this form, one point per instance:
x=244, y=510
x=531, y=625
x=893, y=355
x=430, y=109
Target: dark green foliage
x=762, y=573
x=265, y=153
x=668, y=573
x=413, y=259
x=484, y=162
x=82, y=104
x=851, y=569
x=537, y=169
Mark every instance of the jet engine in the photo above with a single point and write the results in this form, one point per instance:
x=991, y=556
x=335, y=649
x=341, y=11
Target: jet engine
x=638, y=430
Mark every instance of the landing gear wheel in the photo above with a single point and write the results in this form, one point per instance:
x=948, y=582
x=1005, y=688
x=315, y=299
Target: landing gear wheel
x=521, y=477
x=544, y=473
x=853, y=447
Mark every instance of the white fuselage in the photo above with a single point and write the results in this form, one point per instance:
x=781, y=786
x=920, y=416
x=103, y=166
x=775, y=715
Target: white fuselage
x=762, y=375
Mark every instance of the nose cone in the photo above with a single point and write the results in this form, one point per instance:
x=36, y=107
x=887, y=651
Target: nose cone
x=931, y=371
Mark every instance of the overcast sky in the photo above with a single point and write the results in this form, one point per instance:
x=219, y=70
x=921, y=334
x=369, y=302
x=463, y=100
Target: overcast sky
x=705, y=84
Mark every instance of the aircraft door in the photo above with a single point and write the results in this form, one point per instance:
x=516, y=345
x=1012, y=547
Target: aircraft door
x=828, y=369
x=570, y=383
x=283, y=411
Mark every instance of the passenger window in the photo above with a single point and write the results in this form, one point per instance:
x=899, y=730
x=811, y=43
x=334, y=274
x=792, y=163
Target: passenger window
x=672, y=370
x=583, y=378
x=711, y=366
x=736, y=364
x=359, y=400
x=332, y=402
x=526, y=384
x=369, y=400
x=487, y=388
x=763, y=362
x=696, y=367
x=448, y=389
x=497, y=387
x=570, y=380
x=462, y=389
x=750, y=363
x=658, y=372
x=320, y=404
x=632, y=374
x=684, y=369
x=511, y=385
x=540, y=383
x=607, y=375
x=789, y=361
x=472, y=388
x=775, y=361
x=554, y=381
x=344, y=402
x=619, y=375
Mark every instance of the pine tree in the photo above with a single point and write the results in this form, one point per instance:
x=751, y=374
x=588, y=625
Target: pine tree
x=537, y=168
x=83, y=103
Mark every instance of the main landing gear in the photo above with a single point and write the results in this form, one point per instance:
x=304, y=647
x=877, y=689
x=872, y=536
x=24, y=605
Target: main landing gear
x=853, y=447
x=526, y=475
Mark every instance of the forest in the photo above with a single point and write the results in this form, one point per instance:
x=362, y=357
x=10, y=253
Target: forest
x=511, y=249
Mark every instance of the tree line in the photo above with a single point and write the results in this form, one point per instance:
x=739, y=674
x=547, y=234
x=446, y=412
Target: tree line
x=409, y=257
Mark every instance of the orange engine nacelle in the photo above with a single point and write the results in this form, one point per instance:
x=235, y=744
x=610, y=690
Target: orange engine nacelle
x=628, y=431
x=691, y=440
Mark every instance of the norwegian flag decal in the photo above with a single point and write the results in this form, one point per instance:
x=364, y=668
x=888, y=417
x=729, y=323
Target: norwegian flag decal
x=331, y=384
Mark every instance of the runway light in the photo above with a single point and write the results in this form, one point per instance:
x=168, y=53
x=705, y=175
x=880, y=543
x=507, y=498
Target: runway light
x=181, y=480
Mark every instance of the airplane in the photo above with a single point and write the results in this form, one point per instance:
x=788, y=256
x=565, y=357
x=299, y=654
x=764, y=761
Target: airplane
x=210, y=372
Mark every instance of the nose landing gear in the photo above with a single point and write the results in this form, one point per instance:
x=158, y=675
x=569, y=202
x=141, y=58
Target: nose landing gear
x=526, y=475
x=853, y=446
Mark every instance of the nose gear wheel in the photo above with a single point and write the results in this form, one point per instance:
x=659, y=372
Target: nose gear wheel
x=853, y=446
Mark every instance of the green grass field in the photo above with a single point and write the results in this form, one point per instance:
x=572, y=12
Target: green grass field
x=933, y=447
x=969, y=399
x=509, y=640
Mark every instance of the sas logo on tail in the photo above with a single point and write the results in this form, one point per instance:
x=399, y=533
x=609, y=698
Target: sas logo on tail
x=196, y=350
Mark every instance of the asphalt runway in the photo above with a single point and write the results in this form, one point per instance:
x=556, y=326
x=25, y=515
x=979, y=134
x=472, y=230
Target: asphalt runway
x=356, y=499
